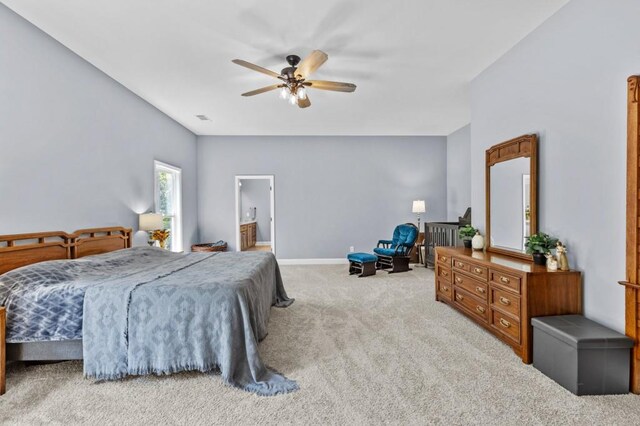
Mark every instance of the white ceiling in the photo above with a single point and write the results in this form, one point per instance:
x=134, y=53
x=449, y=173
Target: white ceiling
x=412, y=60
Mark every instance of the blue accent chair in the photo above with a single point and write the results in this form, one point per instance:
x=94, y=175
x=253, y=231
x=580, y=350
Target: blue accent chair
x=394, y=254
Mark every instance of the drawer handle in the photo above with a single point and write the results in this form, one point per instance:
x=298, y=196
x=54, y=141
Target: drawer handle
x=505, y=301
x=459, y=297
x=505, y=323
x=443, y=258
x=458, y=279
x=460, y=265
x=480, y=290
x=504, y=280
x=444, y=273
x=477, y=270
x=480, y=309
x=446, y=289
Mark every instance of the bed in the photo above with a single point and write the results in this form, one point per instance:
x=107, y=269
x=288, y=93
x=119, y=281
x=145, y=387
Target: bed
x=134, y=311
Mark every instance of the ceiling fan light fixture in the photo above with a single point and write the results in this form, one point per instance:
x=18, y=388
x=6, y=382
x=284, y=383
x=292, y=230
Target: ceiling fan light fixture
x=294, y=79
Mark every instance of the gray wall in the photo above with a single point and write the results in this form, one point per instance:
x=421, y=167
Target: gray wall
x=330, y=192
x=255, y=193
x=566, y=81
x=77, y=148
x=458, y=172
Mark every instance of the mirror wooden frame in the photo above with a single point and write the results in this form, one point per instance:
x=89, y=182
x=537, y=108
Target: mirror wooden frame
x=632, y=281
x=522, y=146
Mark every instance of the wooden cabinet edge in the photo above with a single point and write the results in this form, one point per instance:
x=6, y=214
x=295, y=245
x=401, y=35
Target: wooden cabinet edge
x=3, y=351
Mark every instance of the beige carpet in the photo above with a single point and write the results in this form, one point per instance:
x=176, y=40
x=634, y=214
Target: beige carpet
x=364, y=351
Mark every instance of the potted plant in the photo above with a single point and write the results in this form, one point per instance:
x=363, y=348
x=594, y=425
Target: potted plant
x=539, y=245
x=161, y=236
x=466, y=233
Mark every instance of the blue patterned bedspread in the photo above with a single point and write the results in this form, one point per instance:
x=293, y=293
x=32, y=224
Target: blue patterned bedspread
x=148, y=311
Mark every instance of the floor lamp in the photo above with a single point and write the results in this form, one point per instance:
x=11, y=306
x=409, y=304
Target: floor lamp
x=418, y=207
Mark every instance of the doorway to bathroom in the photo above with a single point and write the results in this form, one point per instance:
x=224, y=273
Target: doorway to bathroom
x=255, y=213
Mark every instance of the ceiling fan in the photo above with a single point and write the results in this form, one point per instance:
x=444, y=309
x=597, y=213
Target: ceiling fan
x=294, y=78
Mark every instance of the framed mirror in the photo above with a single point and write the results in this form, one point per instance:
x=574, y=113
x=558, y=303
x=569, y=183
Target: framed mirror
x=512, y=195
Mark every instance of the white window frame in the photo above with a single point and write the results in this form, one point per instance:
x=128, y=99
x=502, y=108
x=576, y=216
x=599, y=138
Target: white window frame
x=176, y=228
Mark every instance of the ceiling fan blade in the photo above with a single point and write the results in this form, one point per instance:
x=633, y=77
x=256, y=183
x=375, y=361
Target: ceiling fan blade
x=263, y=89
x=255, y=67
x=335, y=86
x=311, y=63
x=304, y=103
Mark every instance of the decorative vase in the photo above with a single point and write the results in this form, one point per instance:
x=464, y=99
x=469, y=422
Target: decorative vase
x=467, y=243
x=539, y=259
x=477, y=242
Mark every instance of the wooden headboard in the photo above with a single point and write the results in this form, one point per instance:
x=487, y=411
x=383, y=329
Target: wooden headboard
x=92, y=241
x=24, y=249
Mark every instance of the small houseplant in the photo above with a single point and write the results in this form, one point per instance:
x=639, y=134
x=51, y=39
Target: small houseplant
x=161, y=236
x=466, y=233
x=540, y=244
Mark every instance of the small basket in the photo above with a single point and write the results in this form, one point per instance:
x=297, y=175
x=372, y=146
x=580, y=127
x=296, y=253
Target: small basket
x=209, y=247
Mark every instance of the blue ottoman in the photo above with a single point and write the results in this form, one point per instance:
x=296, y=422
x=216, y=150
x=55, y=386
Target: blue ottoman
x=363, y=264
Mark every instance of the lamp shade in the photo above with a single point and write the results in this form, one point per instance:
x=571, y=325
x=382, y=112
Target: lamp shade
x=418, y=206
x=150, y=221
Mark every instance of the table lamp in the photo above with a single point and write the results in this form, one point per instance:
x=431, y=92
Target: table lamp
x=418, y=207
x=150, y=222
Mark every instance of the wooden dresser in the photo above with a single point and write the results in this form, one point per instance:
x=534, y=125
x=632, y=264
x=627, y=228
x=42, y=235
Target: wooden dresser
x=503, y=293
x=247, y=235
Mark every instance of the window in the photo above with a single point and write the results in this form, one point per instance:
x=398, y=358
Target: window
x=168, y=194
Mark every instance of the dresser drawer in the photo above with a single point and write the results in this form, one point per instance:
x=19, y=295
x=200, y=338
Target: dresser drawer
x=444, y=259
x=511, y=282
x=475, y=287
x=444, y=273
x=472, y=268
x=505, y=301
x=506, y=325
x=479, y=271
x=444, y=289
x=471, y=304
x=460, y=264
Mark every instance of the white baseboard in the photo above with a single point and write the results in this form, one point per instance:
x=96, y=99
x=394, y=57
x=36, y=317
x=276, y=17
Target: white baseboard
x=313, y=261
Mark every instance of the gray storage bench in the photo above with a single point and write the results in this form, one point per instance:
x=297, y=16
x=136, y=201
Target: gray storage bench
x=583, y=356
